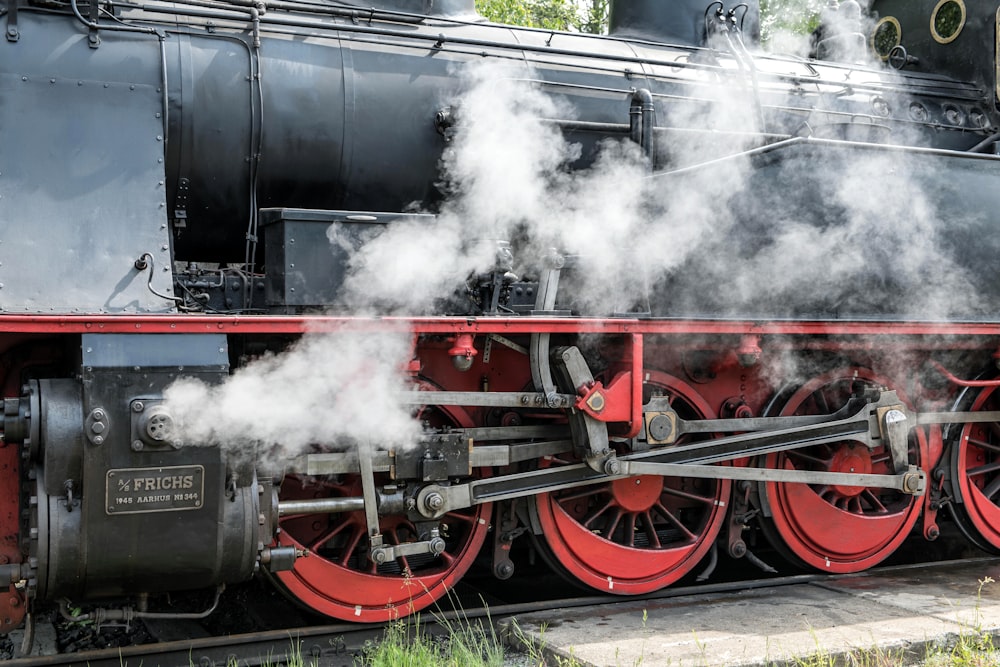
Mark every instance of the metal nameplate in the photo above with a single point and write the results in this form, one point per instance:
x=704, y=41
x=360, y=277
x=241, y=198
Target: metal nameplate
x=166, y=489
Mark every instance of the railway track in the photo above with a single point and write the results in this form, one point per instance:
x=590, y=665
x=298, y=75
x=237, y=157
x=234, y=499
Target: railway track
x=336, y=645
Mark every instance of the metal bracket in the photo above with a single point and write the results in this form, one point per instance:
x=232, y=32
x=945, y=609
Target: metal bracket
x=181, y=203
x=896, y=432
x=545, y=302
x=13, y=34
x=384, y=554
x=589, y=435
x=94, y=35
x=435, y=458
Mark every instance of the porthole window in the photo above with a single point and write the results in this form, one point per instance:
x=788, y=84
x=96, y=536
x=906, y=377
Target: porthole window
x=947, y=20
x=886, y=36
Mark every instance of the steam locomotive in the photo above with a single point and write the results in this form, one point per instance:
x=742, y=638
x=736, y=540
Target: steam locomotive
x=635, y=300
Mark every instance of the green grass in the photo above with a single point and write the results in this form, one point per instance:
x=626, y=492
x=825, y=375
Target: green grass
x=406, y=643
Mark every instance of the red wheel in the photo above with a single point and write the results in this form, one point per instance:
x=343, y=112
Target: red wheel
x=338, y=578
x=837, y=528
x=975, y=474
x=637, y=534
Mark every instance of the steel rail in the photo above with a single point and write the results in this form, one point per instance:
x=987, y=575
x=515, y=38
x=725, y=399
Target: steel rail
x=336, y=645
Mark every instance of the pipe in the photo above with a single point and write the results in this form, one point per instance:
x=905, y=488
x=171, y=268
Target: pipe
x=642, y=122
x=978, y=148
x=101, y=616
x=960, y=382
x=321, y=506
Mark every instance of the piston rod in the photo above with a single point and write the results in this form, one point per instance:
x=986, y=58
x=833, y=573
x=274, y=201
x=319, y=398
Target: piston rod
x=321, y=506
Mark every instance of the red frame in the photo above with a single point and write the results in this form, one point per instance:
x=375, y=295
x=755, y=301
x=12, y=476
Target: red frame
x=475, y=325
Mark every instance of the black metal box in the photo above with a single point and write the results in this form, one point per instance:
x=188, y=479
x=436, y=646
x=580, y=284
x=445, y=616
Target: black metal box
x=307, y=253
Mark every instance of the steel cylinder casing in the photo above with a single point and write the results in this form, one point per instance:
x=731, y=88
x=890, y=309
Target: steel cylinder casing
x=120, y=507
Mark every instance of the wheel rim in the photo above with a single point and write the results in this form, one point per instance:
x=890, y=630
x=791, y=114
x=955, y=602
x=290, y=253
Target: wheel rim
x=975, y=466
x=637, y=534
x=338, y=578
x=837, y=528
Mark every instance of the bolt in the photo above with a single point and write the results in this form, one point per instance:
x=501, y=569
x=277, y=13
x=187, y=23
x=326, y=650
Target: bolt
x=437, y=546
x=434, y=501
x=97, y=414
x=98, y=440
x=379, y=556
x=738, y=549
x=97, y=427
x=612, y=467
x=137, y=445
x=137, y=406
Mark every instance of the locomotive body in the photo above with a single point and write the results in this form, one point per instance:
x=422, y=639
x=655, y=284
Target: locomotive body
x=269, y=303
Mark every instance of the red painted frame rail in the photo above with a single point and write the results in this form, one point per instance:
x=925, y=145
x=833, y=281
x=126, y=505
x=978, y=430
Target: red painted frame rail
x=280, y=324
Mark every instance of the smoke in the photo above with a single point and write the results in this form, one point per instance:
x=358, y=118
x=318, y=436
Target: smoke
x=806, y=231
x=333, y=390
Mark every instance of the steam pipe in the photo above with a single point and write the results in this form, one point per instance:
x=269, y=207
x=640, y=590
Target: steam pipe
x=960, y=382
x=642, y=121
x=978, y=148
x=127, y=614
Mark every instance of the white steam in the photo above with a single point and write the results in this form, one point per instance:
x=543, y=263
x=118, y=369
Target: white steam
x=742, y=237
x=333, y=390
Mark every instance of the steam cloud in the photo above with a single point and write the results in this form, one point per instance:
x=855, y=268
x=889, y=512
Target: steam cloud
x=336, y=390
x=743, y=237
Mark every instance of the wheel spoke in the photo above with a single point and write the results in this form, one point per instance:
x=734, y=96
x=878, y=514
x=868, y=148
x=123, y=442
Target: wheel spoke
x=351, y=545
x=801, y=455
x=822, y=404
x=992, y=488
x=875, y=502
x=613, y=526
x=984, y=444
x=584, y=492
x=689, y=496
x=327, y=536
x=592, y=516
x=668, y=515
x=651, y=535
x=461, y=518
x=994, y=426
x=983, y=469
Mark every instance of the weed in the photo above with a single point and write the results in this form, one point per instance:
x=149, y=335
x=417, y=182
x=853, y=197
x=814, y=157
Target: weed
x=974, y=646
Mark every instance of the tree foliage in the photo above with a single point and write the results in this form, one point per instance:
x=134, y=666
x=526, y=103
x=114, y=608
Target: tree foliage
x=795, y=16
x=586, y=16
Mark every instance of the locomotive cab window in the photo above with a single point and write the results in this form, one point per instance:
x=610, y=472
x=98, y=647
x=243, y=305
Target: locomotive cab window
x=886, y=36
x=947, y=20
